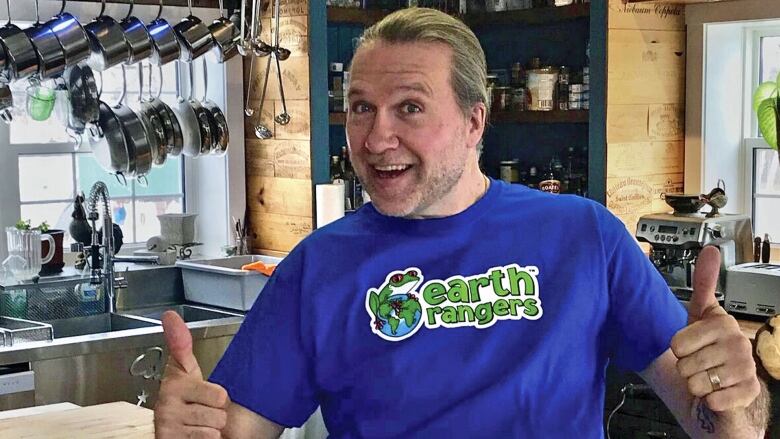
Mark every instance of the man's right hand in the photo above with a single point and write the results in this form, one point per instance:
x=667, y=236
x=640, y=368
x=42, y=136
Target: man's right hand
x=188, y=406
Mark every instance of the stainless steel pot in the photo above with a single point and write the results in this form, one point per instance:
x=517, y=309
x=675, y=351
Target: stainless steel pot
x=84, y=95
x=194, y=37
x=71, y=36
x=135, y=135
x=137, y=37
x=107, y=42
x=219, y=127
x=155, y=133
x=6, y=103
x=165, y=44
x=188, y=119
x=226, y=37
x=51, y=55
x=173, y=133
x=20, y=56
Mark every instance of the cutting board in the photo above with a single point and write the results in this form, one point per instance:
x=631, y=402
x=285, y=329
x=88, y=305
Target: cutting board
x=113, y=420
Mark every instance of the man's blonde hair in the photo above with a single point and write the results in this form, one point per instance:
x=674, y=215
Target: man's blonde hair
x=469, y=68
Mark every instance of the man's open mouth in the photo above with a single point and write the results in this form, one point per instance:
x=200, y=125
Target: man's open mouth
x=391, y=171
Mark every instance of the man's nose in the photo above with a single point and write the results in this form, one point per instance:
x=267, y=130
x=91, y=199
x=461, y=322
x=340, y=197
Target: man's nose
x=383, y=135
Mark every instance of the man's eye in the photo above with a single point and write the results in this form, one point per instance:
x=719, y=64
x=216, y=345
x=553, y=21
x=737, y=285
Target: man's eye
x=411, y=108
x=361, y=108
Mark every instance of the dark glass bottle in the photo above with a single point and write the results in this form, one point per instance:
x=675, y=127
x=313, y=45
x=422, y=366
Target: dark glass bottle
x=533, y=178
x=550, y=182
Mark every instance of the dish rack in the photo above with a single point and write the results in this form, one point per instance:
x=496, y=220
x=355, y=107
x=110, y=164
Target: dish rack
x=51, y=300
x=14, y=330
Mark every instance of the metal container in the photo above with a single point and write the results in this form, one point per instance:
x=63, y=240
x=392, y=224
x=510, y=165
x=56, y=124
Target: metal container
x=510, y=171
x=72, y=37
x=541, y=86
x=107, y=43
x=222, y=282
x=14, y=331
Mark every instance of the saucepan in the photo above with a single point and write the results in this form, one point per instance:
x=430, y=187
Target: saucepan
x=188, y=119
x=153, y=127
x=194, y=36
x=51, y=55
x=106, y=41
x=137, y=36
x=71, y=36
x=219, y=125
x=21, y=59
x=173, y=135
x=226, y=37
x=84, y=95
x=165, y=44
x=6, y=103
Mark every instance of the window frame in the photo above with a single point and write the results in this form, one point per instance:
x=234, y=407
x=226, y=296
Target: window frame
x=214, y=187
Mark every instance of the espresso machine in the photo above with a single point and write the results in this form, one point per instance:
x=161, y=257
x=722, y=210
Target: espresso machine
x=676, y=239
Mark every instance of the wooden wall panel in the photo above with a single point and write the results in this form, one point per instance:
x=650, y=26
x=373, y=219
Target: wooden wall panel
x=645, y=107
x=279, y=185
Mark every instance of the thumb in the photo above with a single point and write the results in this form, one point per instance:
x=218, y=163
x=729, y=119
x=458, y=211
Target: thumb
x=179, y=341
x=705, y=281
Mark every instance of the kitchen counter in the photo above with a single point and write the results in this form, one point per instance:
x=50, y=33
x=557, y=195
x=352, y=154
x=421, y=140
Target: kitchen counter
x=116, y=419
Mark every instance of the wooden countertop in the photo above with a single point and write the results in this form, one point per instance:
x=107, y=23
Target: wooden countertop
x=749, y=327
x=113, y=420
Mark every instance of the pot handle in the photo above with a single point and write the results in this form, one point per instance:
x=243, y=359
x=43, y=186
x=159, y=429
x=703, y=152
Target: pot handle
x=50, y=254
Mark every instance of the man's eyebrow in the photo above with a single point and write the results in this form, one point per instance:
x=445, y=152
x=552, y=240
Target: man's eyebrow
x=414, y=86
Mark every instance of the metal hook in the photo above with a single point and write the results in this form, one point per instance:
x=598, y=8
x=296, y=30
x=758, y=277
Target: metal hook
x=8, y=5
x=37, y=15
x=130, y=11
x=62, y=9
x=159, y=12
x=102, y=8
x=120, y=178
x=189, y=6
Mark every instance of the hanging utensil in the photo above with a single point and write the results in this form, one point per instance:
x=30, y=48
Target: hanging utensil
x=259, y=47
x=244, y=45
x=21, y=60
x=248, y=111
x=50, y=53
x=284, y=117
x=261, y=131
x=155, y=133
x=191, y=139
x=226, y=37
x=165, y=44
x=107, y=42
x=221, y=132
x=194, y=36
x=137, y=36
x=71, y=36
x=173, y=135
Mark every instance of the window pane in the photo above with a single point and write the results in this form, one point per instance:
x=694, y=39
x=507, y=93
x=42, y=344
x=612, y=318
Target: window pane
x=767, y=173
x=147, y=224
x=770, y=58
x=163, y=181
x=89, y=171
x=56, y=215
x=767, y=213
x=122, y=211
x=45, y=177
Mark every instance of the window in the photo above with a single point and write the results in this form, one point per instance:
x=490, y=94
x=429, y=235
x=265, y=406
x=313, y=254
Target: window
x=764, y=162
x=52, y=168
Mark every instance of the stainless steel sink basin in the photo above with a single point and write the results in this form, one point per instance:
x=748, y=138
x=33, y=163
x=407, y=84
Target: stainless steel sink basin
x=190, y=313
x=95, y=324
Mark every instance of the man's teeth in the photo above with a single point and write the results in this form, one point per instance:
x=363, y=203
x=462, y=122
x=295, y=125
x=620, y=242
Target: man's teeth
x=391, y=168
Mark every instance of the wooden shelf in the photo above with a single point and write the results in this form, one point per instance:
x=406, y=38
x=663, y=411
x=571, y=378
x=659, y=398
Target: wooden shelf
x=367, y=17
x=530, y=117
x=534, y=117
x=529, y=16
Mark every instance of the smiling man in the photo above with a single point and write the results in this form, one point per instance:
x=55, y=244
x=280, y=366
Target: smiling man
x=454, y=305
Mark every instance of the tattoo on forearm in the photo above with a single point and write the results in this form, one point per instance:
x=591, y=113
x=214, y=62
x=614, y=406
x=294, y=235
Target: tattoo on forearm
x=706, y=417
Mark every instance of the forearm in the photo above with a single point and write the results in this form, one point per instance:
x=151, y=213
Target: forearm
x=245, y=424
x=748, y=423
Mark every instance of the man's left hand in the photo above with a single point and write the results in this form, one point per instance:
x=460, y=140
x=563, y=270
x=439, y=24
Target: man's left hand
x=714, y=356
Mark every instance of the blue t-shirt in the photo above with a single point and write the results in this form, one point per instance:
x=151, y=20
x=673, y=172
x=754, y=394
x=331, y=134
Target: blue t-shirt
x=495, y=322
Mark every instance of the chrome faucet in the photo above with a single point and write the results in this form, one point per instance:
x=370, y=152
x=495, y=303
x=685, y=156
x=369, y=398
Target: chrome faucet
x=106, y=277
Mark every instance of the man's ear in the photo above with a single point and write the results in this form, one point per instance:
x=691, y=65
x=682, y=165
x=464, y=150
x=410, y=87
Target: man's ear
x=477, y=120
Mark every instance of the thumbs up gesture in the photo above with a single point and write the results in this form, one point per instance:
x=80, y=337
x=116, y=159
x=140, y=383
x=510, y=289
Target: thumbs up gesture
x=188, y=406
x=714, y=356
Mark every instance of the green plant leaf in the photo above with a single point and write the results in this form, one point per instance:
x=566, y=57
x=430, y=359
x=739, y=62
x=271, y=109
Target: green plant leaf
x=764, y=91
x=22, y=225
x=767, y=121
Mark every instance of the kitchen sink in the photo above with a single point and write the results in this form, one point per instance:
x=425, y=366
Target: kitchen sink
x=99, y=323
x=190, y=313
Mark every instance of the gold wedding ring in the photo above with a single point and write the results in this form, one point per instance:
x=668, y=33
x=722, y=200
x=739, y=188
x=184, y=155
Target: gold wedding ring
x=714, y=379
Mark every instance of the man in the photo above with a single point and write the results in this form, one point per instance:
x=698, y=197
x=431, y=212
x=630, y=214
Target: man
x=454, y=305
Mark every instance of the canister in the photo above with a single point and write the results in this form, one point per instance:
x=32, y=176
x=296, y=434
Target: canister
x=541, y=87
x=510, y=171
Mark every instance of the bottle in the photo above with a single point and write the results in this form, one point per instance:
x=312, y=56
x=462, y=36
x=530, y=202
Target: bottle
x=550, y=182
x=336, y=170
x=757, y=249
x=533, y=180
x=766, y=249
x=348, y=176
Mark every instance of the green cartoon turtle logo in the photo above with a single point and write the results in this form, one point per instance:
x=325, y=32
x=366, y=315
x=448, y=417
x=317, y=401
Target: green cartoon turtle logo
x=395, y=311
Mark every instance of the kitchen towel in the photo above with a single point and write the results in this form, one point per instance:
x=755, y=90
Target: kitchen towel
x=330, y=203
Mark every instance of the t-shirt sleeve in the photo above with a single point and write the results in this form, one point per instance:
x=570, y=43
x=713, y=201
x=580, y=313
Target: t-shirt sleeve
x=266, y=368
x=643, y=315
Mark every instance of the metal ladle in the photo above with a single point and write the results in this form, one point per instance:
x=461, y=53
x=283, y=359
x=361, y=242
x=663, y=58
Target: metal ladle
x=284, y=117
x=248, y=111
x=261, y=131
